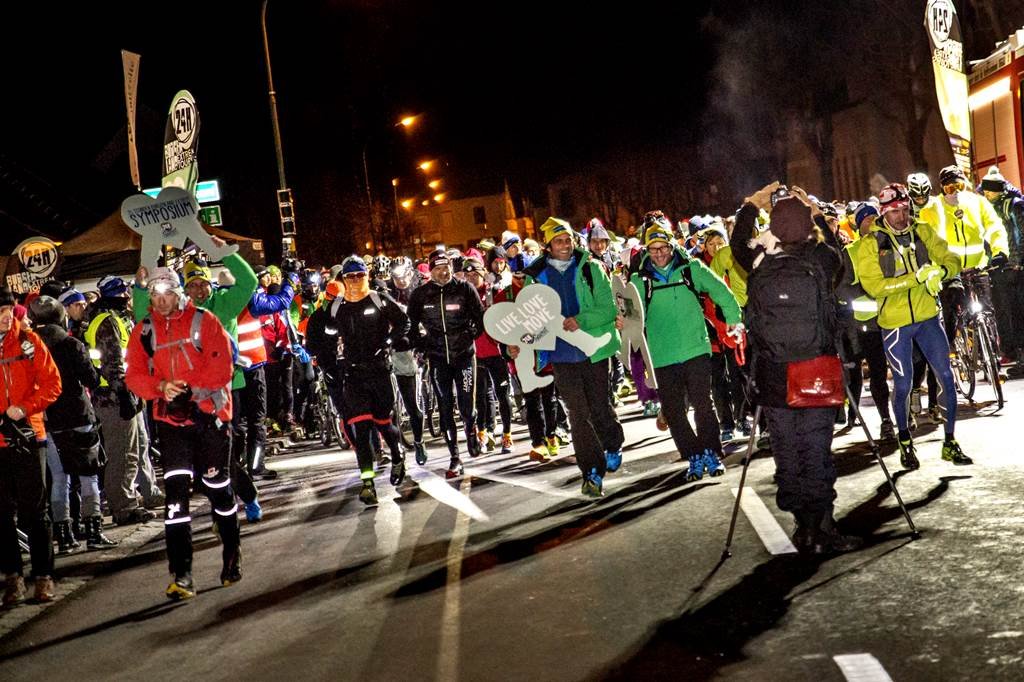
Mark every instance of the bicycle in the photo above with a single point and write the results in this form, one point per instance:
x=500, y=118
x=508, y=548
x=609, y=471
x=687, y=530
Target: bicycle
x=428, y=401
x=327, y=419
x=976, y=340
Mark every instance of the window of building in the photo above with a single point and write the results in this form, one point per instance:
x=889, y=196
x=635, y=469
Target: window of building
x=479, y=215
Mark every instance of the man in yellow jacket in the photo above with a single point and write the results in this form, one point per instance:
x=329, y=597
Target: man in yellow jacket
x=902, y=266
x=968, y=222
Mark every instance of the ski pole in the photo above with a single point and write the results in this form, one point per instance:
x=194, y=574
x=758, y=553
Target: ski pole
x=726, y=553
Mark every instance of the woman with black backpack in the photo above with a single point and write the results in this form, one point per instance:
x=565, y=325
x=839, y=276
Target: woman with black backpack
x=797, y=380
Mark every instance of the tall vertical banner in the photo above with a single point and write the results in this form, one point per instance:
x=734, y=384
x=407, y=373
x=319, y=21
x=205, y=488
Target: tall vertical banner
x=130, y=64
x=181, y=142
x=950, y=79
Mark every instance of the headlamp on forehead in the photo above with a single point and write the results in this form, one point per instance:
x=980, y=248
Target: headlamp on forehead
x=161, y=288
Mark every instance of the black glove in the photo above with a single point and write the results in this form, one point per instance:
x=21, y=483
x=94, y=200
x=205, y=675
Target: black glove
x=128, y=404
x=999, y=260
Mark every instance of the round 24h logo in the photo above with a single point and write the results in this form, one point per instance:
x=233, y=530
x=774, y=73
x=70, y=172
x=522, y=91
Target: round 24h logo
x=184, y=120
x=37, y=255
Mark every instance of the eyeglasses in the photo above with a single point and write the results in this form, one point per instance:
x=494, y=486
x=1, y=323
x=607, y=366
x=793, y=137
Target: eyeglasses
x=355, y=275
x=659, y=249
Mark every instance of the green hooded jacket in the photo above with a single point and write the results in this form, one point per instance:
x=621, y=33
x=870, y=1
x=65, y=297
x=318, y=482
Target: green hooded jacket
x=675, y=327
x=594, y=293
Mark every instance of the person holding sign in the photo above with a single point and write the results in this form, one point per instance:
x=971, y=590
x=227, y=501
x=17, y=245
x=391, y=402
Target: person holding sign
x=587, y=303
x=670, y=283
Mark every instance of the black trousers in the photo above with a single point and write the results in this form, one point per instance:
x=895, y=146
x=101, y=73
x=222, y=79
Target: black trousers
x=368, y=402
x=280, y=399
x=248, y=421
x=197, y=455
x=802, y=448
x=689, y=382
x=595, y=427
x=868, y=346
x=409, y=388
x=727, y=388
x=1007, y=307
x=241, y=481
x=541, y=405
x=23, y=495
x=455, y=381
x=493, y=391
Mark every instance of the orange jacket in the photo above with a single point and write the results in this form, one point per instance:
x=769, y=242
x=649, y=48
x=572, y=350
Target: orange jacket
x=208, y=373
x=31, y=383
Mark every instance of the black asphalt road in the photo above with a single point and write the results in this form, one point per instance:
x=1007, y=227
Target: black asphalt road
x=509, y=574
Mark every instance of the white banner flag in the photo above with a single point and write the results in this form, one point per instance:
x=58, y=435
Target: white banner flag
x=130, y=62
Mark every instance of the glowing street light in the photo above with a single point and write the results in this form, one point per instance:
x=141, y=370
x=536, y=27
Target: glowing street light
x=426, y=166
x=434, y=184
x=408, y=121
x=425, y=202
x=407, y=204
x=439, y=197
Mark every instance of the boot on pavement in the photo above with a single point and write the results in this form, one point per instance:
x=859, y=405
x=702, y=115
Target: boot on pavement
x=66, y=542
x=828, y=540
x=45, y=590
x=94, y=537
x=231, y=573
x=15, y=591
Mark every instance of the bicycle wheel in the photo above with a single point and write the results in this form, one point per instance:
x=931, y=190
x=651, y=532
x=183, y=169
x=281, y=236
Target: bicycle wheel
x=990, y=362
x=323, y=417
x=428, y=406
x=963, y=361
x=399, y=417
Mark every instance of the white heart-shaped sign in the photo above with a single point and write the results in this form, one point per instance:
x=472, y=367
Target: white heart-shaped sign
x=172, y=219
x=631, y=307
x=533, y=322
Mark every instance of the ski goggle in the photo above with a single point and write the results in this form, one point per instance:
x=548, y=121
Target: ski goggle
x=950, y=187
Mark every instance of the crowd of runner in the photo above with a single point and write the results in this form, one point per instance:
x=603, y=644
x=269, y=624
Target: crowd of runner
x=197, y=372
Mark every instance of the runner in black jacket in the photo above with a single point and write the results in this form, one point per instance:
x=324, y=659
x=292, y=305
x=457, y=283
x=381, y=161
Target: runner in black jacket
x=369, y=324
x=452, y=317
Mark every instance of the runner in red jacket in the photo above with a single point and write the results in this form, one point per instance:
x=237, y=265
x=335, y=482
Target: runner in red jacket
x=181, y=358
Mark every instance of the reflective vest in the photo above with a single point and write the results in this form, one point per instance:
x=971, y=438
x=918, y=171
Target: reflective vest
x=123, y=334
x=864, y=307
x=250, y=340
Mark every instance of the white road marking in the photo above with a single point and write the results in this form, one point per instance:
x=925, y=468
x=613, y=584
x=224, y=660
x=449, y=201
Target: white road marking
x=448, y=646
x=438, y=488
x=861, y=668
x=768, y=529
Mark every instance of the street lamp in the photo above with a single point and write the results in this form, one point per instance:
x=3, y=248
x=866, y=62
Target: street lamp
x=439, y=197
x=284, y=195
x=434, y=184
x=407, y=121
x=398, y=214
x=425, y=166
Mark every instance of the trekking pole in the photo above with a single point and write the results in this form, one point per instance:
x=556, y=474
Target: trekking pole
x=726, y=553
x=914, y=532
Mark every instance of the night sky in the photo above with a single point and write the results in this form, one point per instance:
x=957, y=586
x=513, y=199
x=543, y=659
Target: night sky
x=507, y=91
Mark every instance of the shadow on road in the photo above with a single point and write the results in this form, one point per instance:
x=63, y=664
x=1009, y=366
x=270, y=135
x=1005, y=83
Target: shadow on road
x=616, y=509
x=697, y=644
x=140, y=616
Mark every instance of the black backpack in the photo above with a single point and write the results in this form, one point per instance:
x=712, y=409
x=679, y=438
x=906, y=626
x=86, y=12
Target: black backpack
x=790, y=309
